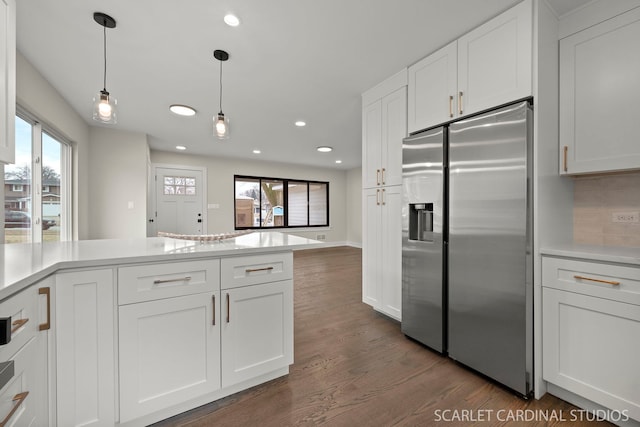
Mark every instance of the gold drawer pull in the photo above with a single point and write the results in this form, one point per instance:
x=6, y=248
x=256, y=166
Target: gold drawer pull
x=17, y=401
x=609, y=282
x=158, y=281
x=17, y=324
x=253, y=270
x=47, y=325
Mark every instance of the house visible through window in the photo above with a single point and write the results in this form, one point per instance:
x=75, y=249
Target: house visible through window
x=280, y=203
x=42, y=162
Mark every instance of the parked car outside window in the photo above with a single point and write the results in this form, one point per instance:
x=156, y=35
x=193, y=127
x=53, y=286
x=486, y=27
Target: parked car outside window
x=19, y=219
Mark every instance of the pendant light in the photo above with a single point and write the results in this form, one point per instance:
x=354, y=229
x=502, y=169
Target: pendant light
x=104, y=105
x=220, y=122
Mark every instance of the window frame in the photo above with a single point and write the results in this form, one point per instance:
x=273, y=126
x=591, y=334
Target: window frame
x=285, y=202
x=37, y=130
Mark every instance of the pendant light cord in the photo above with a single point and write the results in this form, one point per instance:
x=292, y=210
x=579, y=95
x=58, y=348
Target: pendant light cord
x=221, y=86
x=104, y=28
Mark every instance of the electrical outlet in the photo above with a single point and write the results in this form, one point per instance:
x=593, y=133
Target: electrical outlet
x=320, y=236
x=625, y=217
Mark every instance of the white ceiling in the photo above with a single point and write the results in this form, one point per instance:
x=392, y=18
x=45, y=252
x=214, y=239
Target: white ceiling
x=289, y=60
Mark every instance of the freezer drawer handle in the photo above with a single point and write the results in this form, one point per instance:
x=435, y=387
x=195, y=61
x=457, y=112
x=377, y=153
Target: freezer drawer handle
x=184, y=279
x=609, y=282
x=17, y=401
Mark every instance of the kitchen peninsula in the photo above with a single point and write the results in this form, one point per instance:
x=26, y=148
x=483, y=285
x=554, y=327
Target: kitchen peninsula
x=129, y=332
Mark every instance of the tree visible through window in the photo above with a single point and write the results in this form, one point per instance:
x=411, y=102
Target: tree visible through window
x=280, y=203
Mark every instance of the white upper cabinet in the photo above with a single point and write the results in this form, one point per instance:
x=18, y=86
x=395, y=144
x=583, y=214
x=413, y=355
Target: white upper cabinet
x=384, y=125
x=433, y=86
x=495, y=61
x=599, y=84
x=487, y=67
x=7, y=80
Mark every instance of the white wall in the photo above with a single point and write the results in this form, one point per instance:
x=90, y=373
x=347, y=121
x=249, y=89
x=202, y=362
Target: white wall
x=354, y=207
x=38, y=97
x=220, y=173
x=118, y=176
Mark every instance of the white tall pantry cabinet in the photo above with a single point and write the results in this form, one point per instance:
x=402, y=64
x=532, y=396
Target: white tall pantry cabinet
x=384, y=125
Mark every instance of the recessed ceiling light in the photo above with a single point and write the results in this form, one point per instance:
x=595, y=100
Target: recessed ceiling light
x=180, y=147
x=256, y=151
x=300, y=123
x=338, y=161
x=324, y=149
x=231, y=20
x=182, y=110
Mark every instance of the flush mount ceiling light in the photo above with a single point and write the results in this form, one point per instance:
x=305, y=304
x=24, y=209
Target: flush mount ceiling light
x=104, y=105
x=181, y=147
x=300, y=123
x=257, y=151
x=182, y=110
x=231, y=20
x=338, y=161
x=221, y=123
x=324, y=149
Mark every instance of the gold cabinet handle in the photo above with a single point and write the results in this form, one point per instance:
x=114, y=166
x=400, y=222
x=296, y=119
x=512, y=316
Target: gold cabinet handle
x=377, y=176
x=213, y=302
x=17, y=401
x=383, y=202
x=450, y=105
x=228, y=311
x=608, y=282
x=460, y=95
x=47, y=325
x=184, y=279
x=17, y=324
x=383, y=171
x=564, y=158
x=253, y=270
x=378, y=197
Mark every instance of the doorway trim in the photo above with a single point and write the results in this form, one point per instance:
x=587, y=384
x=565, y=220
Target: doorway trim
x=151, y=195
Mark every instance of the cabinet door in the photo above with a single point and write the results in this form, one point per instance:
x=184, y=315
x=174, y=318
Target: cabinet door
x=394, y=129
x=371, y=144
x=591, y=347
x=169, y=352
x=495, y=60
x=433, y=97
x=84, y=329
x=371, y=246
x=257, y=330
x=599, y=86
x=7, y=80
x=390, y=262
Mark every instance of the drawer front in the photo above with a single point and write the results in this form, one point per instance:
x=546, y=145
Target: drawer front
x=19, y=398
x=254, y=269
x=24, y=318
x=157, y=281
x=615, y=282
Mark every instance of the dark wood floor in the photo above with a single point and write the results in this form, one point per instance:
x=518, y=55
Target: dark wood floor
x=353, y=367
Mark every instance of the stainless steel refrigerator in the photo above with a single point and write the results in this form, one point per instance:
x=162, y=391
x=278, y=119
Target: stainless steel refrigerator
x=486, y=275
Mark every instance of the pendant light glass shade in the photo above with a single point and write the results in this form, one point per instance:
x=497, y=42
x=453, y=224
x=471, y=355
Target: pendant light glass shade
x=220, y=123
x=104, y=105
x=104, y=108
x=221, y=126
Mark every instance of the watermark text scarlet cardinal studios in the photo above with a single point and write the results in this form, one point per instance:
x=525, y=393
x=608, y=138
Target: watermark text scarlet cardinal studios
x=524, y=415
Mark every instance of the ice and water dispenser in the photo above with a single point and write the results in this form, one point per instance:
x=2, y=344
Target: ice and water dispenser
x=421, y=222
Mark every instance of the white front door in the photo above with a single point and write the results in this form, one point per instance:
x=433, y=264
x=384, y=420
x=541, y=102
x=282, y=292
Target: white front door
x=179, y=198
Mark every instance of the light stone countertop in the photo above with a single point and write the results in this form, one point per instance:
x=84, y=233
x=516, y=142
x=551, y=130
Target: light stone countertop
x=615, y=254
x=23, y=264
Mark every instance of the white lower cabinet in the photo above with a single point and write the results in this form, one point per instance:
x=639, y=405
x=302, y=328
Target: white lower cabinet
x=591, y=332
x=169, y=352
x=257, y=330
x=85, y=350
x=382, y=250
